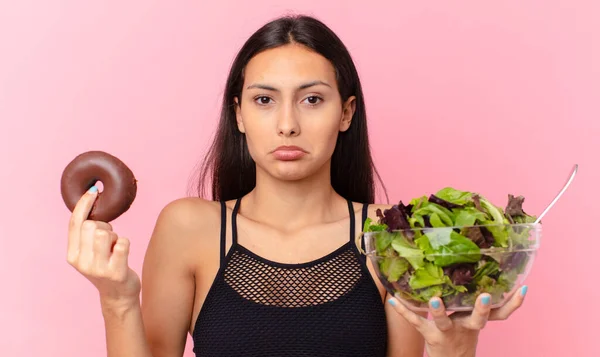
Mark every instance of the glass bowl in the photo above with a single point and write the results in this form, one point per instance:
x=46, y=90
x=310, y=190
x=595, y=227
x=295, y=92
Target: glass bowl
x=453, y=263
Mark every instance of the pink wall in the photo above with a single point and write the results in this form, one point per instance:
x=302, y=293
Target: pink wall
x=496, y=97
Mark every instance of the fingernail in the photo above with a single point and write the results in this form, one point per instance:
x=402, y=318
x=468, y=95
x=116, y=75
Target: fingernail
x=485, y=300
x=524, y=290
x=392, y=302
x=435, y=304
x=93, y=189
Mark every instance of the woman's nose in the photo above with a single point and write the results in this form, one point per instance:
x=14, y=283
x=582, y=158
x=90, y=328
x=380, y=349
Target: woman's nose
x=288, y=125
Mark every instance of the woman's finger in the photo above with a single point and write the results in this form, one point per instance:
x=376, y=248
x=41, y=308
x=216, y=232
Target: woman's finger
x=438, y=313
x=103, y=242
x=103, y=225
x=502, y=313
x=87, y=236
x=481, y=313
x=86, y=244
x=420, y=323
x=118, y=262
x=78, y=216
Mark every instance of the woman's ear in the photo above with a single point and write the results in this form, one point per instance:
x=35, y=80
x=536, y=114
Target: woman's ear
x=348, y=110
x=238, y=115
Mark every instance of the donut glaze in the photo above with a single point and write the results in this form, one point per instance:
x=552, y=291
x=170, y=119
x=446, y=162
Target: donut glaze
x=120, y=185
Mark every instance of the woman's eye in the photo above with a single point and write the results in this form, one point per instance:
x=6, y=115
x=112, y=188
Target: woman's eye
x=263, y=100
x=312, y=100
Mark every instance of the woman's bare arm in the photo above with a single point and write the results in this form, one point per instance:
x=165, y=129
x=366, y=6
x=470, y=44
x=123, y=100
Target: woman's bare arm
x=158, y=326
x=168, y=285
x=125, y=331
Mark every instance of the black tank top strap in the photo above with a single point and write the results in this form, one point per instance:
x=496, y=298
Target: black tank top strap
x=236, y=208
x=223, y=231
x=365, y=213
x=352, y=220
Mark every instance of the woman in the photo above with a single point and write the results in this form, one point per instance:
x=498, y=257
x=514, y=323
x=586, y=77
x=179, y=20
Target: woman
x=267, y=267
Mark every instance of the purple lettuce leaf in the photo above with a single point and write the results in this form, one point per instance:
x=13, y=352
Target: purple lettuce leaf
x=443, y=203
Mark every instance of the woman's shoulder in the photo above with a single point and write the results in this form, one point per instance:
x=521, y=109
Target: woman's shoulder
x=188, y=210
x=185, y=233
x=188, y=217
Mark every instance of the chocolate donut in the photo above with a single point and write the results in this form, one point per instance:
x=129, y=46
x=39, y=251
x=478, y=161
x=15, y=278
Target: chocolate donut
x=120, y=186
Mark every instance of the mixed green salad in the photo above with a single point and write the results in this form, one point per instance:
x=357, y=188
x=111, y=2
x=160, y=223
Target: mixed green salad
x=454, y=245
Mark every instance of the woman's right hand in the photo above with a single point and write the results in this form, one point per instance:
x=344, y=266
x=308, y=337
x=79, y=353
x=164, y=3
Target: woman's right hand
x=100, y=255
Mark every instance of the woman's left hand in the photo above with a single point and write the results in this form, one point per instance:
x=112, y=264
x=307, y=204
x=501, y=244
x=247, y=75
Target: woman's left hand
x=456, y=335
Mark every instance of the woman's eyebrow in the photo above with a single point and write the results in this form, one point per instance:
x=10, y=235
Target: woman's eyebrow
x=273, y=89
x=312, y=84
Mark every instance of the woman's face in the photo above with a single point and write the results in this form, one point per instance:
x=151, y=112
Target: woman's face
x=291, y=111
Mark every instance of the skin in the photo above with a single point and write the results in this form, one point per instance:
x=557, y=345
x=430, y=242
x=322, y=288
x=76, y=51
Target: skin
x=290, y=97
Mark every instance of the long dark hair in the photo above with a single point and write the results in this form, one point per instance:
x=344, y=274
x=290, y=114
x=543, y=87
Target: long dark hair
x=228, y=161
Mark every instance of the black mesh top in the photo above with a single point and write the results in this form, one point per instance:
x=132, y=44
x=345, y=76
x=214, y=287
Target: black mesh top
x=256, y=307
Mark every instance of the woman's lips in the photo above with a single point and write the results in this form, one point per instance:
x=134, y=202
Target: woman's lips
x=288, y=153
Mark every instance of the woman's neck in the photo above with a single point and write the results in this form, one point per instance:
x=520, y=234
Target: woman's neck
x=292, y=205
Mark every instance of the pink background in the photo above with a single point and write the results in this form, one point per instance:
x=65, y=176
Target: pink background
x=495, y=97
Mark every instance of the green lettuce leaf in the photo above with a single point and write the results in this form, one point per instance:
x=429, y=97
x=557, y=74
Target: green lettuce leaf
x=495, y=212
x=445, y=217
x=416, y=203
x=507, y=280
x=469, y=216
x=486, y=268
x=383, y=240
x=500, y=233
x=427, y=276
x=369, y=226
x=446, y=247
x=394, y=268
x=430, y=281
x=455, y=196
x=409, y=252
x=417, y=222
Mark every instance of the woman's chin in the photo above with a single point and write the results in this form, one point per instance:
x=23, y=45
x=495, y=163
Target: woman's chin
x=292, y=170
x=290, y=175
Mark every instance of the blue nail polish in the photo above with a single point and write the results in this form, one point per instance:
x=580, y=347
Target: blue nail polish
x=435, y=304
x=392, y=302
x=524, y=290
x=485, y=300
x=93, y=189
